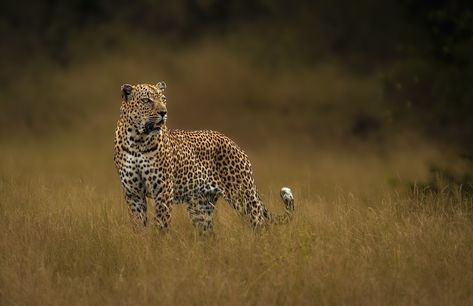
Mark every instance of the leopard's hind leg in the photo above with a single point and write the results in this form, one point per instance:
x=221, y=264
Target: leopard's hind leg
x=201, y=210
x=246, y=201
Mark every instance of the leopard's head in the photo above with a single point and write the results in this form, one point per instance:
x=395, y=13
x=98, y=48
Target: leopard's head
x=144, y=107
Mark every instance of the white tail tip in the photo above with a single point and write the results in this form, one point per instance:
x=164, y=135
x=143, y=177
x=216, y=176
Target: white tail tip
x=286, y=194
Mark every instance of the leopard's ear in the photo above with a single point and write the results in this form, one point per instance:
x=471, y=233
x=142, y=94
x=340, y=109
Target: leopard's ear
x=161, y=85
x=126, y=91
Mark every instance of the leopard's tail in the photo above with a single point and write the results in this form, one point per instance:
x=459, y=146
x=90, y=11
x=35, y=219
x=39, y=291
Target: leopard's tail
x=288, y=201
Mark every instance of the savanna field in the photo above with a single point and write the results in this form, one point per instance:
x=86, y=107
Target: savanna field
x=364, y=232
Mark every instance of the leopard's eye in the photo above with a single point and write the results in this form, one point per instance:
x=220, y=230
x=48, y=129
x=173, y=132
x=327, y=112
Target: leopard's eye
x=146, y=100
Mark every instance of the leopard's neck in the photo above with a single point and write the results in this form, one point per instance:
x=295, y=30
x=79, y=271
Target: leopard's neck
x=128, y=138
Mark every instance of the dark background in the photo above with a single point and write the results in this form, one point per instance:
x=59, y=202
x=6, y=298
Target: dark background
x=338, y=70
x=363, y=108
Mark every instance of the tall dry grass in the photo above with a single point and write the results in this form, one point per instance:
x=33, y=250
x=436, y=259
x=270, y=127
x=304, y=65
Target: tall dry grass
x=359, y=236
x=66, y=238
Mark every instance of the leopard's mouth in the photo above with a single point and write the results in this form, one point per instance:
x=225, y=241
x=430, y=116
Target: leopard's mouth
x=153, y=127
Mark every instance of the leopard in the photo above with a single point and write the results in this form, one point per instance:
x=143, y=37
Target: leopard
x=171, y=166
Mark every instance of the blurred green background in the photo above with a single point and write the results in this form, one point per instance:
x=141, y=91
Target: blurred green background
x=323, y=72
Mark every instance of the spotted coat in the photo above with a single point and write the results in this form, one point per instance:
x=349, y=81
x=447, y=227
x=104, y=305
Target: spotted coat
x=174, y=166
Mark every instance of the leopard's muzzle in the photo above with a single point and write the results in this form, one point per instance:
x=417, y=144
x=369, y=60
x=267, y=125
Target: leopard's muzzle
x=153, y=125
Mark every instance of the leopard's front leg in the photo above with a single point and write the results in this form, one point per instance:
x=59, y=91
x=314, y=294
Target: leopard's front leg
x=133, y=189
x=136, y=208
x=162, y=195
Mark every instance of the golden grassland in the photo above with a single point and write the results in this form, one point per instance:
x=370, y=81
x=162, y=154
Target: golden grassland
x=359, y=236
x=355, y=239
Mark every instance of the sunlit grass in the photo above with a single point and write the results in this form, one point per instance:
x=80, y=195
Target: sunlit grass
x=66, y=238
x=359, y=235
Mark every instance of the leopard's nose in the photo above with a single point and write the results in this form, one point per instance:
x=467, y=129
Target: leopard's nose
x=162, y=114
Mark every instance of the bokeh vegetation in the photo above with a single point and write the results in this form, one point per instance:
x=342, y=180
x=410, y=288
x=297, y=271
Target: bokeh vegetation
x=363, y=108
x=419, y=52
